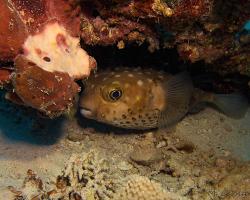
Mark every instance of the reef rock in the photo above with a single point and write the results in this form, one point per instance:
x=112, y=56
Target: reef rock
x=48, y=32
x=46, y=35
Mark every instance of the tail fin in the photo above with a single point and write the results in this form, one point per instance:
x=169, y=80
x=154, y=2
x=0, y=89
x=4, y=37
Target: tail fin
x=233, y=105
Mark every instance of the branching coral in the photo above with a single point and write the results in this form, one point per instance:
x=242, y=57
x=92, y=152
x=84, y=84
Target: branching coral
x=91, y=175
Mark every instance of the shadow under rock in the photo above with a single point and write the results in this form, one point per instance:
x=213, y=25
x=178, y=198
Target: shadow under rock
x=20, y=124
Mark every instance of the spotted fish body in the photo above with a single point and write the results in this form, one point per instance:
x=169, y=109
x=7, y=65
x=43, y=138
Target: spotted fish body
x=145, y=99
x=143, y=102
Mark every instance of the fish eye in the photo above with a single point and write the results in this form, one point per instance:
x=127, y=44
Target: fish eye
x=115, y=94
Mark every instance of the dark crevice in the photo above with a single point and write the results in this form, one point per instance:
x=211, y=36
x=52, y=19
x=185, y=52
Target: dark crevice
x=204, y=75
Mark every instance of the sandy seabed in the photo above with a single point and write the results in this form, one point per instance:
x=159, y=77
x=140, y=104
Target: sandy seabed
x=206, y=156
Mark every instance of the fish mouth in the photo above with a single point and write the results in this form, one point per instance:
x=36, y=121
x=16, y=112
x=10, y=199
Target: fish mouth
x=87, y=112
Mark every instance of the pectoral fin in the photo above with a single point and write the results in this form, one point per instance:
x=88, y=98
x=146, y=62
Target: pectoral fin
x=179, y=90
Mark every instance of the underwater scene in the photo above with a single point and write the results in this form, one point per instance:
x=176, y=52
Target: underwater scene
x=124, y=100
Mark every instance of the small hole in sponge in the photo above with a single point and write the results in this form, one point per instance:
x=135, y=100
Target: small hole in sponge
x=31, y=64
x=47, y=59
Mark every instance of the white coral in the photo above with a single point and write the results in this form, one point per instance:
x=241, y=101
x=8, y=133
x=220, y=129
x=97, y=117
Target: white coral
x=142, y=188
x=91, y=175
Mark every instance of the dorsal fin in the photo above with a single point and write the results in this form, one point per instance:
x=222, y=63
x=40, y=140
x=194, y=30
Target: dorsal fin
x=179, y=90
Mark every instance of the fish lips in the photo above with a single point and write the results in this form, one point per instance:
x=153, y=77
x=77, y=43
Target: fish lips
x=87, y=113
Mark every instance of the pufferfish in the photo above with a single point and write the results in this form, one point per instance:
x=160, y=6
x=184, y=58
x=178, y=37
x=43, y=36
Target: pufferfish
x=147, y=99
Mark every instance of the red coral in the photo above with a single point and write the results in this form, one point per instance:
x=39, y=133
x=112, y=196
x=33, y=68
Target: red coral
x=51, y=95
x=5, y=76
x=110, y=31
x=193, y=9
x=24, y=17
x=13, y=32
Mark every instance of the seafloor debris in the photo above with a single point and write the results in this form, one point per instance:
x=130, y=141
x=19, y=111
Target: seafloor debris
x=32, y=189
x=236, y=184
x=86, y=177
x=93, y=176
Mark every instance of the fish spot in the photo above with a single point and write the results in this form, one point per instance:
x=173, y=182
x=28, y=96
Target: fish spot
x=127, y=99
x=112, y=73
x=140, y=73
x=130, y=111
x=96, y=75
x=117, y=75
x=92, y=86
x=149, y=80
x=115, y=82
x=130, y=75
x=105, y=78
x=140, y=82
x=160, y=76
x=124, y=116
x=148, y=72
x=127, y=85
x=137, y=98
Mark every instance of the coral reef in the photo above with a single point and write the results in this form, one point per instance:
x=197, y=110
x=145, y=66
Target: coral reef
x=212, y=32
